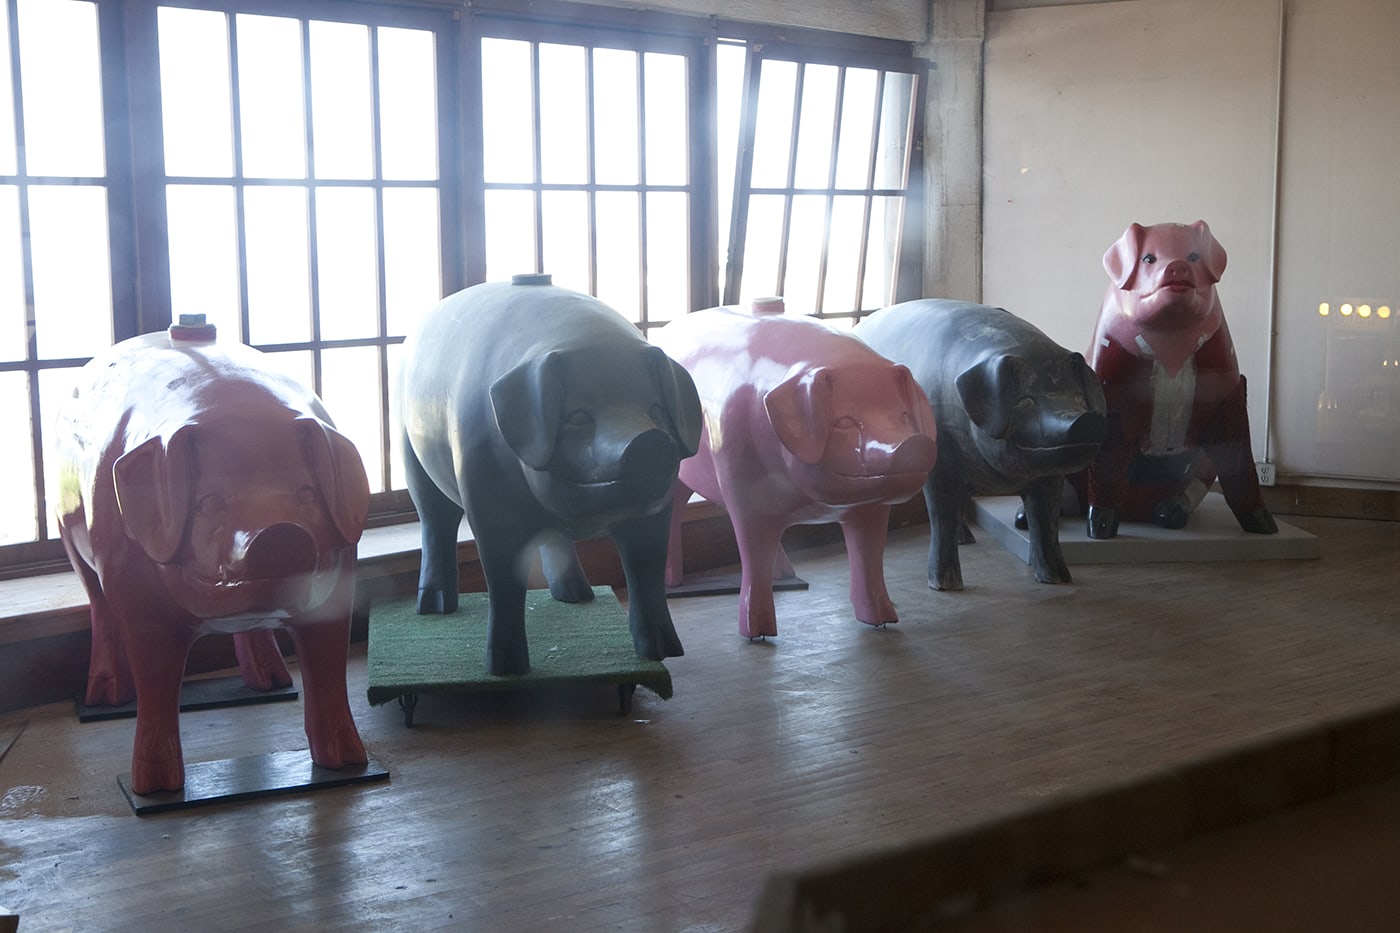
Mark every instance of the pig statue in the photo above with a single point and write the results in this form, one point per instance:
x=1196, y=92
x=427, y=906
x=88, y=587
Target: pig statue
x=1016, y=412
x=547, y=418
x=202, y=492
x=1177, y=418
x=803, y=425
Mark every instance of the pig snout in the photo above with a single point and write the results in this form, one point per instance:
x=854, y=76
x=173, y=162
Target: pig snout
x=1048, y=428
x=915, y=454
x=650, y=453
x=284, y=549
x=1179, y=274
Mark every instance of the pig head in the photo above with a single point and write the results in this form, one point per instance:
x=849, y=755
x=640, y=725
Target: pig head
x=1016, y=413
x=803, y=425
x=1178, y=418
x=205, y=493
x=544, y=417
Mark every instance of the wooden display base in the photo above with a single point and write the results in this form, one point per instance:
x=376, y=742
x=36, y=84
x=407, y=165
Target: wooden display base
x=251, y=778
x=205, y=693
x=1212, y=534
x=722, y=583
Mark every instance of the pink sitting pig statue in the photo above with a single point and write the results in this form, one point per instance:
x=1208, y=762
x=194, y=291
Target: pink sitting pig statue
x=1176, y=400
x=803, y=424
x=202, y=492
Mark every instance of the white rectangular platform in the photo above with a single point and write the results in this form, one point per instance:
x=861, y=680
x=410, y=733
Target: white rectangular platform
x=1211, y=534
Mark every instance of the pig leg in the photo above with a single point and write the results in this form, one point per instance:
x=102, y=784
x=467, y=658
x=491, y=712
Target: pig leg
x=1041, y=502
x=507, y=652
x=944, y=498
x=758, y=542
x=109, y=680
x=260, y=660
x=568, y=582
x=1226, y=441
x=158, y=668
x=322, y=645
x=641, y=544
x=440, y=518
x=865, y=529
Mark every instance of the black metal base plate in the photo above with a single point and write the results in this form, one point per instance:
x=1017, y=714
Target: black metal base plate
x=206, y=693
x=720, y=584
x=251, y=778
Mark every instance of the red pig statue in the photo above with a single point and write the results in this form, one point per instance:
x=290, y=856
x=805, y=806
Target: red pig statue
x=1176, y=400
x=803, y=424
x=202, y=492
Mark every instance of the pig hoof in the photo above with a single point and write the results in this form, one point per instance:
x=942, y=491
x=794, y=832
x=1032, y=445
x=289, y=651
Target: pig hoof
x=152, y=776
x=436, y=602
x=505, y=662
x=1172, y=512
x=571, y=591
x=1020, y=520
x=1257, y=521
x=342, y=749
x=1102, y=522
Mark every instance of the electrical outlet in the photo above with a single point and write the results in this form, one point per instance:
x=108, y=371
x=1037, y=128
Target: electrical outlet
x=1266, y=472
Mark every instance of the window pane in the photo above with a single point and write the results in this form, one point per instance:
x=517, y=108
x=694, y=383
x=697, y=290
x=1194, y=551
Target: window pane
x=619, y=253
x=279, y=268
x=294, y=364
x=204, y=255
x=340, y=100
x=271, y=105
x=882, y=259
x=13, y=326
x=857, y=128
x=762, y=238
x=61, y=71
x=566, y=238
x=563, y=133
x=55, y=385
x=72, y=270
x=843, y=255
x=412, y=271
x=773, y=129
x=668, y=255
x=816, y=127
x=396, y=475
x=195, y=100
x=408, y=136
x=346, y=263
x=351, y=390
x=666, y=116
x=892, y=156
x=510, y=234
x=17, y=506
x=9, y=164
x=506, y=110
x=615, y=116
x=804, y=253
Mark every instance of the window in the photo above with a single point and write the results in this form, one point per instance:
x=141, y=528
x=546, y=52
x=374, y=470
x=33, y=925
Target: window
x=311, y=174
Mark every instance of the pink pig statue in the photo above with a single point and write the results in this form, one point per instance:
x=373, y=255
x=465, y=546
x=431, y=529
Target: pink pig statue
x=202, y=492
x=1176, y=399
x=803, y=424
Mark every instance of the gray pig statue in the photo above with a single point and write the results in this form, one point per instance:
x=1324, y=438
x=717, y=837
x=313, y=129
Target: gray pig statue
x=1015, y=411
x=547, y=418
x=203, y=492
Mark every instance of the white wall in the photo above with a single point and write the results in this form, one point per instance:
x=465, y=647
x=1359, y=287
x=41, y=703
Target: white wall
x=1099, y=115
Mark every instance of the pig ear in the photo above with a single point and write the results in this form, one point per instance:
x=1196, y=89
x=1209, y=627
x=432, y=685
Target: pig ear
x=153, y=490
x=1121, y=260
x=1211, y=251
x=340, y=476
x=527, y=402
x=1089, y=381
x=916, y=400
x=989, y=391
x=680, y=399
x=799, y=410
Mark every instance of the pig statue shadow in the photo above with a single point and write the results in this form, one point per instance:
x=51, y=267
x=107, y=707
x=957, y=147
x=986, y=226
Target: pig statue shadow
x=1177, y=418
x=546, y=418
x=202, y=492
x=803, y=424
x=1016, y=413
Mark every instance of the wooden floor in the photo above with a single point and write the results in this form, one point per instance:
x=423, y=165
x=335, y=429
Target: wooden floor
x=552, y=812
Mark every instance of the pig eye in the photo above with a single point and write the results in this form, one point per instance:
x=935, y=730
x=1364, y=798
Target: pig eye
x=307, y=496
x=1193, y=257
x=1150, y=258
x=211, y=504
x=579, y=418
